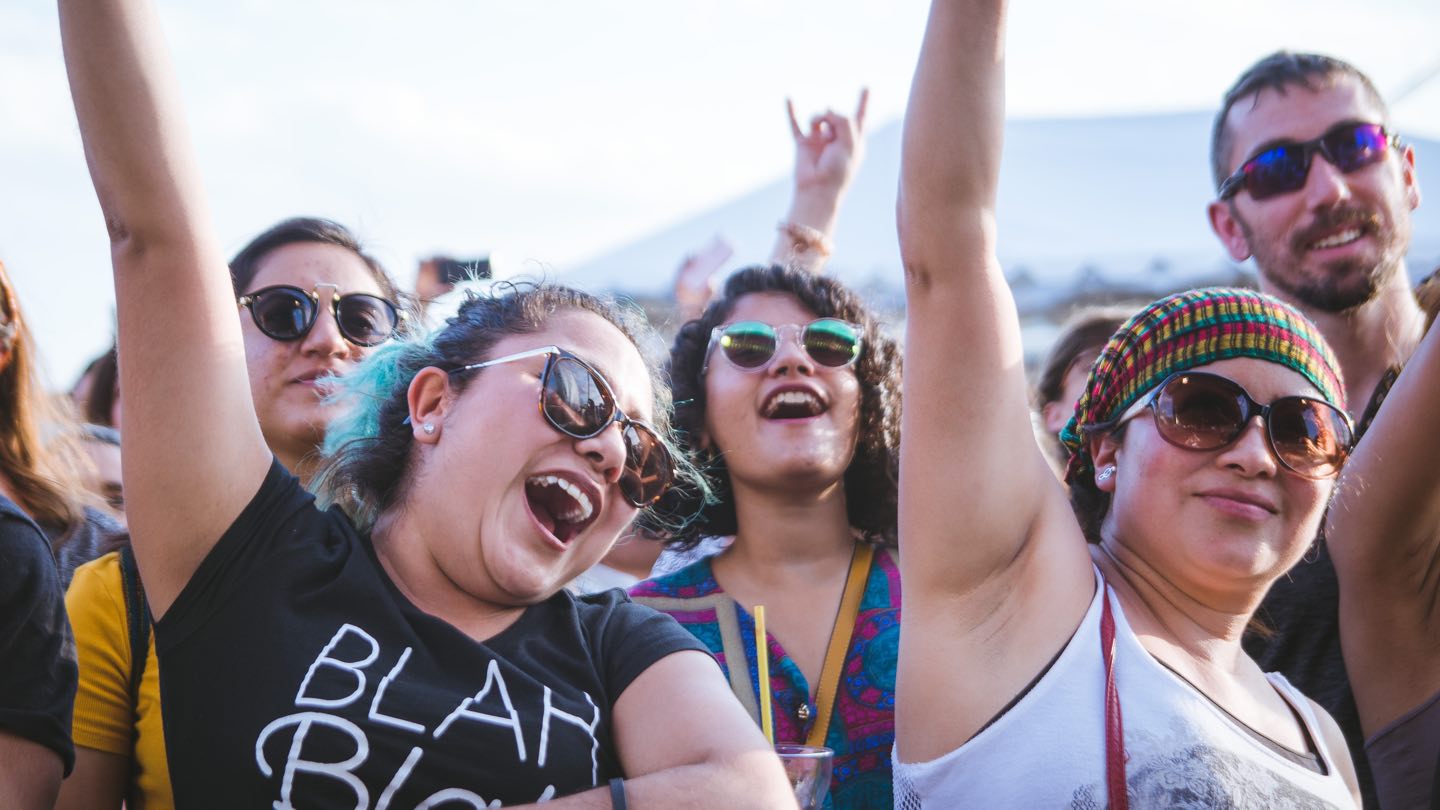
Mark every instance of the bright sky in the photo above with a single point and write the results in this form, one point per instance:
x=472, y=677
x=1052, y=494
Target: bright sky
x=550, y=131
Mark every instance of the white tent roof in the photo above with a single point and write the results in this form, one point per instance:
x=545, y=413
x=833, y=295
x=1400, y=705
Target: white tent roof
x=1119, y=197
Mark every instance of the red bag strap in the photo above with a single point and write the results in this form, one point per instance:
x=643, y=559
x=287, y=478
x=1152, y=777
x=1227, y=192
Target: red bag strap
x=1114, y=726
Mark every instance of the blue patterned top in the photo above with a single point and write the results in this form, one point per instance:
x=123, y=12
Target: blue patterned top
x=862, y=727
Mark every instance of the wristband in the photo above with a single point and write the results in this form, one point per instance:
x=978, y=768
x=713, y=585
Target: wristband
x=805, y=237
x=617, y=794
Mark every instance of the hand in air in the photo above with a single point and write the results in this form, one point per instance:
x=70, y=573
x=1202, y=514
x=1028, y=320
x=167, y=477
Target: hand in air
x=828, y=153
x=695, y=278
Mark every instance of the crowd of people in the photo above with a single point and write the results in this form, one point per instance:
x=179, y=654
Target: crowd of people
x=359, y=559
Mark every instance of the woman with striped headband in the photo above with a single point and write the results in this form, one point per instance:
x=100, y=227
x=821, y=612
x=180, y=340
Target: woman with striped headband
x=1203, y=453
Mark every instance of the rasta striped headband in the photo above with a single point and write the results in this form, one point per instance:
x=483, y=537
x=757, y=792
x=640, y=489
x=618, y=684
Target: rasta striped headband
x=1192, y=329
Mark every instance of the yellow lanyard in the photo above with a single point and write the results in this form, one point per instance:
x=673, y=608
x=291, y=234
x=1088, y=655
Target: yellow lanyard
x=840, y=642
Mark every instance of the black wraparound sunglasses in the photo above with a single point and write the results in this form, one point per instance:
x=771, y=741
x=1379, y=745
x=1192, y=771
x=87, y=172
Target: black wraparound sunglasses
x=1283, y=168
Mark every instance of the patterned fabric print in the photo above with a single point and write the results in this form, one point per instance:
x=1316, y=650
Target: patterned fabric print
x=1172, y=773
x=862, y=728
x=1190, y=329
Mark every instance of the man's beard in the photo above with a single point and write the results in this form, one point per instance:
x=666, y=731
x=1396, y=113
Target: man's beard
x=1341, y=285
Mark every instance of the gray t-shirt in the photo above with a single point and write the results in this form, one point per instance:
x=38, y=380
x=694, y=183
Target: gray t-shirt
x=97, y=534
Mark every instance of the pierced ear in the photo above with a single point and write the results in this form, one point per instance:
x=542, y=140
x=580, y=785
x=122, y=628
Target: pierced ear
x=1227, y=226
x=429, y=399
x=1104, y=450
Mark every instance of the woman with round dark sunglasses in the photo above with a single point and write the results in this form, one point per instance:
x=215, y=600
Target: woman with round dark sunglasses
x=790, y=398
x=312, y=304
x=414, y=646
x=1039, y=670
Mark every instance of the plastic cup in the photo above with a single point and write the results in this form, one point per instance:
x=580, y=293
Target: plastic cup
x=808, y=768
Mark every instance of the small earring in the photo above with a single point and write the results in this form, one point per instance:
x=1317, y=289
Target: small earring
x=428, y=428
x=1106, y=474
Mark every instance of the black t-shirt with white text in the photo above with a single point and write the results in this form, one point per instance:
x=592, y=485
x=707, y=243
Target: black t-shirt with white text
x=293, y=672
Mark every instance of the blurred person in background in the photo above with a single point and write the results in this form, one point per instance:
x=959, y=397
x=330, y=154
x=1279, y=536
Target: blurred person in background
x=439, y=276
x=96, y=393
x=1065, y=369
x=102, y=446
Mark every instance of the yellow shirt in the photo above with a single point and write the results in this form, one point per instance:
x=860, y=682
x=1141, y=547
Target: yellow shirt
x=104, y=719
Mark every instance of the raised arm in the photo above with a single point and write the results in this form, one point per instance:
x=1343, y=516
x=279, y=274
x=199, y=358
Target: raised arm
x=193, y=450
x=995, y=571
x=696, y=278
x=827, y=156
x=968, y=439
x=1384, y=536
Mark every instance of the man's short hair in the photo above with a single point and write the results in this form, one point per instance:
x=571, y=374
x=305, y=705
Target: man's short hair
x=1280, y=71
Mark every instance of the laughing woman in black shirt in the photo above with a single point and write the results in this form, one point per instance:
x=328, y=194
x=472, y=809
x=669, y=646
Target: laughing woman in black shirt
x=411, y=647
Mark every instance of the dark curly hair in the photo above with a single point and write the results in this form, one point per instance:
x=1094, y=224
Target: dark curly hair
x=367, y=446
x=871, y=482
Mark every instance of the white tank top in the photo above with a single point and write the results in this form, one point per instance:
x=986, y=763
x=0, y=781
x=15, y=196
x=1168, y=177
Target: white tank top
x=1048, y=750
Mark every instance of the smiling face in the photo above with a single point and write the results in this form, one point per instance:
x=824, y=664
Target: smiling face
x=790, y=424
x=1215, y=519
x=516, y=508
x=284, y=375
x=1334, y=243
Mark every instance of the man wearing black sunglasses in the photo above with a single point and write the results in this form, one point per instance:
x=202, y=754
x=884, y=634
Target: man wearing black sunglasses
x=1316, y=186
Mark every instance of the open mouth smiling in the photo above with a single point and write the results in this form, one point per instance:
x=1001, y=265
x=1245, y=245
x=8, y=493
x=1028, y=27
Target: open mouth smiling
x=1338, y=228
x=563, y=505
x=793, y=403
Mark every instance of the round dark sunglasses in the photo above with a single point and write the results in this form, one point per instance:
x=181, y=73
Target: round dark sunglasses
x=750, y=345
x=284, y=312
x=1198, y=411
x=1283, y=168
x=577, y=401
